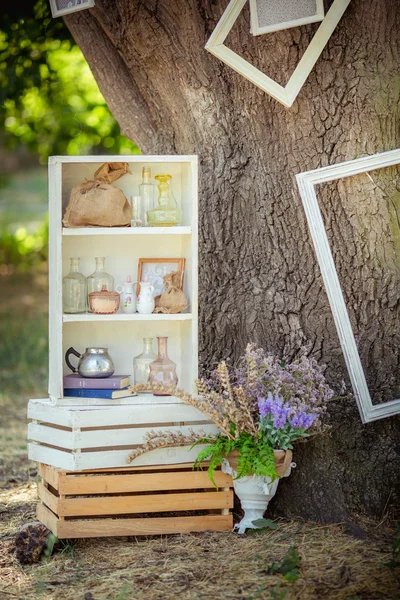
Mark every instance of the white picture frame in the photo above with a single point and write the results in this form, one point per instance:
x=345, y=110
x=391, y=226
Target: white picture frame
x=59, y=10
x=311, y=15
x=284, y=94
x=306, y=182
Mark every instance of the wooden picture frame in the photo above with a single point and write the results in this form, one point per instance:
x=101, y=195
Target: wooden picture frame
x=292, y=20
x=306, y=183
x=174, y=264
x=284, y=94
x=75, y=6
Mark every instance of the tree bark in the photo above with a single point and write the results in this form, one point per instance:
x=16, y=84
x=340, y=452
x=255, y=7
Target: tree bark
x=259, y=279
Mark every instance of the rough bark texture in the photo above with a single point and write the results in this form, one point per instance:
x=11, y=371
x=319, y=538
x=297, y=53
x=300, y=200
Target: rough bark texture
x=259, y=280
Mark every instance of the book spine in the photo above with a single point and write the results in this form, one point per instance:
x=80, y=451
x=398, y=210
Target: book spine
x=86, y=393
x=108, y=383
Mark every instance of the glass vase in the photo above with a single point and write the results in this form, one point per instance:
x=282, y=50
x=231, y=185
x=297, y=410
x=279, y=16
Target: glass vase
x=99, y=278
x=74, y=289
x=147, y=194
x=167, y=213
x=142, y=362
x=163, y=369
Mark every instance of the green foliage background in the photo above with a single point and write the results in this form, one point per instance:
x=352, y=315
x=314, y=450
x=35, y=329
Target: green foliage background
x=49, y=99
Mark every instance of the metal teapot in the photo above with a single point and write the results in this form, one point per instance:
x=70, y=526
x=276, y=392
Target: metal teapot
x=95, y=362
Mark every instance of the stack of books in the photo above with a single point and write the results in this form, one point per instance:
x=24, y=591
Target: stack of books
x=113, y=387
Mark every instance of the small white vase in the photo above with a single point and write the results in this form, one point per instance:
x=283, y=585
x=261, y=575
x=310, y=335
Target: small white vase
x=254, y=493
x=145, y=302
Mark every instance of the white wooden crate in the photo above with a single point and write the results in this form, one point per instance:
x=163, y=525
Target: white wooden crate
x=78, y=438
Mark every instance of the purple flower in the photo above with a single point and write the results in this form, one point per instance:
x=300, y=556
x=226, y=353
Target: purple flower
x=265, y=405
x=302, y=420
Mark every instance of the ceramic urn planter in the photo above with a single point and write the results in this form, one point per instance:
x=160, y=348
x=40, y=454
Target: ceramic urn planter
x=253, y=491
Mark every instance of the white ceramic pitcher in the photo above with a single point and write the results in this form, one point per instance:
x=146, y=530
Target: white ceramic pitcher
x=145, y=300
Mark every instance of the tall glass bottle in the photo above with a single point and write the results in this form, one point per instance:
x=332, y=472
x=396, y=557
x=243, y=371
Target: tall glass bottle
x=167, y=213
x=147, y=194
x=99, y=278
x=163, y=369
x=141, y=363
x=74, y=289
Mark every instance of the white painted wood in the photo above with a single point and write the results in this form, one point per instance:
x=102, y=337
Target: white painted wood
x=141, y=399
x=118, y=317
x=284, y=94
x=109, y=459
x=82, y=439
x=135, y=231
x=257, y=29
x=122, y=247
x=306, y=183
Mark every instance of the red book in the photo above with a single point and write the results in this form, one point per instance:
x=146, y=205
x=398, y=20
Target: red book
x=115, y=382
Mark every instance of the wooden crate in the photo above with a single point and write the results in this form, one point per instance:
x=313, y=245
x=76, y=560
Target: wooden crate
x=77, y=438
x=133, y=501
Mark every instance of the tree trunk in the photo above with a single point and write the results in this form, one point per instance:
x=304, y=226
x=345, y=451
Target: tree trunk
x=259, y=278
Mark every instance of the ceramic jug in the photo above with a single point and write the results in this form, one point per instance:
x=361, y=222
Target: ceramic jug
x=128, y=296
x=95, y=362
x=145, y=301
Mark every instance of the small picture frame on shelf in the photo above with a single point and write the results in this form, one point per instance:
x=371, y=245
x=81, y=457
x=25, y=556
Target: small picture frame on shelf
x=155, y=270
x=60, y=8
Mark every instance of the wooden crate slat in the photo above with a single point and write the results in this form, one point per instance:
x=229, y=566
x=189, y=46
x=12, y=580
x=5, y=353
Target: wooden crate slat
x=131, y=527
x=50, y=475
x=115, y=505
x=45, y=516
x=45, y=411
x=129, y=437
x=49, y=435
x=44, y=454
x=48, y=498
x=146, y=482
x=129, y=415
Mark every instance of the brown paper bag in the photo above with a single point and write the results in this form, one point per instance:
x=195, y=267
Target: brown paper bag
x=173, y=300
x=97, y=203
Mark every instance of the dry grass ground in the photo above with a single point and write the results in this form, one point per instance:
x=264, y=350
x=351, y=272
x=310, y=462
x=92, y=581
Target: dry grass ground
x=332, y=564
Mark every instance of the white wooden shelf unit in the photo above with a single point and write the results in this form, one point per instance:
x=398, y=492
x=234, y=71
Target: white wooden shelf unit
x=122, y=247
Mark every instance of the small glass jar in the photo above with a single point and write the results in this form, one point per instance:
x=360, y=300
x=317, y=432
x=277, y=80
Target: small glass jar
x=147, y=194
x=136, y=214
x=163, y=369
x=99, y=278
x=104, y=302
x=74, y=289
x=141, y=363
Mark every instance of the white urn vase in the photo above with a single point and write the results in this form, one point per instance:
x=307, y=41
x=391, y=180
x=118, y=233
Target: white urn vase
x=254, y=491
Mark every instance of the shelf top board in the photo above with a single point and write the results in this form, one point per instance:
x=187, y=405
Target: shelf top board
x=129, y=158
x=181, y=230
x=88, y=317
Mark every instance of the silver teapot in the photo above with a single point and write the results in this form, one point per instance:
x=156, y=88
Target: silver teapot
x=95, y=362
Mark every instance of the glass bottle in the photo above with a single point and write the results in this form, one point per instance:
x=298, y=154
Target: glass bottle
x=147, y=193
x=99, y=278
x=163, y=369
x=74, y=289
x=141, y=363
x=167, y=213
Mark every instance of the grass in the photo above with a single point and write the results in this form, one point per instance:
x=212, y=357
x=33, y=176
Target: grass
x=291, y=561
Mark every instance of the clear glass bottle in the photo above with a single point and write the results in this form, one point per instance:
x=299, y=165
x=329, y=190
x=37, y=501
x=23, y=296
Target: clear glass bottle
x=74, y=289
x=167, y=213
x=147, y=194
x=163, y=369
x=99, y=278
x=141, y=363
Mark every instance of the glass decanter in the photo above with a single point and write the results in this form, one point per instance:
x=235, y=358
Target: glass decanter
x=147, y=193
x=142, y=362
x=74, y=289
x=163, y=369
x=100, y=278
x=167, y=213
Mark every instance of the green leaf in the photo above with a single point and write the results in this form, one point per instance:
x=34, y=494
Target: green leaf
x=265, y=524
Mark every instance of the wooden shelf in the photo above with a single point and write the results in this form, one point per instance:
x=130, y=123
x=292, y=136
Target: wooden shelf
x=181, y=230
x=91, y=318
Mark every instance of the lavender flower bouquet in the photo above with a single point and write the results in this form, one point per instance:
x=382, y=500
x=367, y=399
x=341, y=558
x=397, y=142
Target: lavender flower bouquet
x=260, y=406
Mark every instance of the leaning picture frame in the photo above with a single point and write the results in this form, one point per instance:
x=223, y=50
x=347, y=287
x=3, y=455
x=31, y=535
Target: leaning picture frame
x=284, y=94
x=267, y=16
x=59, y=8
x=307, y=182
x=155, y=270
